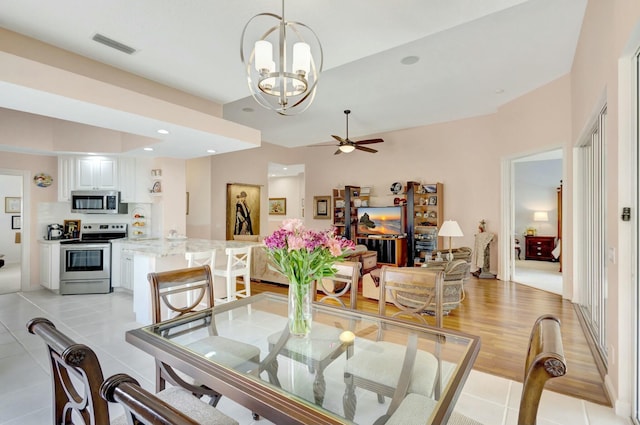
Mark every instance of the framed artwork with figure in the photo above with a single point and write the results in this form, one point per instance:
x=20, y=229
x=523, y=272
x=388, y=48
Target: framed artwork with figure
x=243, y=209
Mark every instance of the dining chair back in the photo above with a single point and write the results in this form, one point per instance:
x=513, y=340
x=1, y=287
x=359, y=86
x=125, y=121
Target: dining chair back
x=169, y=294
x=322, y=353
x=77, y=380
x=238, y=264
x=345, y=280
x=544, y=360
x=412, y=290
x=140, y=406
x=177, y=292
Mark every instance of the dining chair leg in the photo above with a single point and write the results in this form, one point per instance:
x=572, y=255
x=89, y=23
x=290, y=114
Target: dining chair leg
x=349, y=398
x=319, y=388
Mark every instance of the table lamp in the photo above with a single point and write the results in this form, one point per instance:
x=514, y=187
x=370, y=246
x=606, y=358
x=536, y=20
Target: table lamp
x=451, y=229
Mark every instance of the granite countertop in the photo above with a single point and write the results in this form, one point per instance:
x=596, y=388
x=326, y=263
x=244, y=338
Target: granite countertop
x=162, y=247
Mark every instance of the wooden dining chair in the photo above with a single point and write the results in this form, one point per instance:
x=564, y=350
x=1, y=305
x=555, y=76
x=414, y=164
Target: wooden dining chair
x=377, y=369
x=345, y=280
x=143, y=408
x=77, y=378
x=413, y=290
x=544, y=360
x=324, y=339
x=238, y=264
x=178, y=292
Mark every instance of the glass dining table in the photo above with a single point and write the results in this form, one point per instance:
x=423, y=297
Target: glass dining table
x=309, y=380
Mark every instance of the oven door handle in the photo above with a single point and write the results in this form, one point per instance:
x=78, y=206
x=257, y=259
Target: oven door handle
x=80, y=246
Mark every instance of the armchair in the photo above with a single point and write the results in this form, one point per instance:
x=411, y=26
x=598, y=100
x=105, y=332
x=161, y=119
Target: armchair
x=455, y=273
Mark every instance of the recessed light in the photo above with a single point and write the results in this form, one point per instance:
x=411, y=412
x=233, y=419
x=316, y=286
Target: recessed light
x=91, y=153
x=498, y=91
x=148, y=149
x=247, y=109
x=163, y=131
x=285, y=168
x=211, y=151
x=409, y=60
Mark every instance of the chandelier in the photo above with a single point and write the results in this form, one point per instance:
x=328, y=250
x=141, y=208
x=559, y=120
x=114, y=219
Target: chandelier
x=285, y=87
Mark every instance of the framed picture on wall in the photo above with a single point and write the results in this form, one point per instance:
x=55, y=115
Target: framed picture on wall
x=321, y=207
x=277, y=206
x=243, y=209
x=12, y=204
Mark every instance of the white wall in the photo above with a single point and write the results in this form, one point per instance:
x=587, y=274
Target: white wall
x=535, y=186
x=292, y=189
x=9, y=186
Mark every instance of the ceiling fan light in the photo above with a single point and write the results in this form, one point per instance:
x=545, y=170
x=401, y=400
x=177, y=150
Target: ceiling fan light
x=347, y=148
x=301, y=58
x=263, y=56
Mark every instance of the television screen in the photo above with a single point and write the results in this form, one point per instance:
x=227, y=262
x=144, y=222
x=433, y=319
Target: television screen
x=381, y=221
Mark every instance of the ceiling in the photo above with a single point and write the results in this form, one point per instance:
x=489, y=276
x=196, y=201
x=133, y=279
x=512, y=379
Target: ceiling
x=473, y=56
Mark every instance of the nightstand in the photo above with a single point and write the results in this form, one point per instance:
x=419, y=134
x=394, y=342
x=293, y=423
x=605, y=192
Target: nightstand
x=539, y=248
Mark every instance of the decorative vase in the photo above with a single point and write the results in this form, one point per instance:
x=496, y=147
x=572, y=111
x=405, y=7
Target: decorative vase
x=300, y=299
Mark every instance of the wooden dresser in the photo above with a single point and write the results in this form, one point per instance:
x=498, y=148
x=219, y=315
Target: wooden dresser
x=539, y=248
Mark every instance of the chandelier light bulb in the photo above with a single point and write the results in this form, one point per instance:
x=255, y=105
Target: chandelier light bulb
x=264, y=56
x=301, y=58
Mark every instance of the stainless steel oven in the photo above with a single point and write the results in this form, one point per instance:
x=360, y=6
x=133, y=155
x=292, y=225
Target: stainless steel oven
x=85, y=263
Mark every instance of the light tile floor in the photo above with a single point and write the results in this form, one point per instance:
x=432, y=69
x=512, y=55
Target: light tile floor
x=101, y=320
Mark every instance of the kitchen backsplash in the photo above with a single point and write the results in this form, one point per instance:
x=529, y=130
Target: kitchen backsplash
x=58, y=212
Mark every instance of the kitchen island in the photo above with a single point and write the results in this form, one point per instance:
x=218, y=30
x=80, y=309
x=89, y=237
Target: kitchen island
x=162, y=254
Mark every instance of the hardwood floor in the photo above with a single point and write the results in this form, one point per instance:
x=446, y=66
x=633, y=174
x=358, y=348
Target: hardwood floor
x=502, y=314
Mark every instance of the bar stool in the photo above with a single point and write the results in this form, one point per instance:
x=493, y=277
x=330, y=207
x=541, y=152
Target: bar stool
x=201, y=258
x=238, y=264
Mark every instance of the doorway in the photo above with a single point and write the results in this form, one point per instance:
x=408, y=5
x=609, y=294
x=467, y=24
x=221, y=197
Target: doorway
x=11, y=248
x=286, y=188
x=535, y=211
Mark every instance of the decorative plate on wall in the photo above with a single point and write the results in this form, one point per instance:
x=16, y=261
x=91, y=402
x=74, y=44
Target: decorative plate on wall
x=42, y=180
x=396, y=188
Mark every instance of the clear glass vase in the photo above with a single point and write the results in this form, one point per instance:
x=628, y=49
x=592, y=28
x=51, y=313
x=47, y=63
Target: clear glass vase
x=300, y=299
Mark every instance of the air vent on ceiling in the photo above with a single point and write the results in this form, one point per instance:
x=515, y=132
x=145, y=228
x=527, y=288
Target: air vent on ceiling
x=113, y=44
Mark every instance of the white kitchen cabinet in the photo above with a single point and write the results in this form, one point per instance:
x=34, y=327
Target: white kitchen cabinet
x=133, y=173
x=121, y=266
x=50, y=265
x=126, y=271
x=96, y=173
x=66, y=178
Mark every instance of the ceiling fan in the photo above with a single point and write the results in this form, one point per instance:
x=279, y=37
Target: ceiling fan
x=347, y=145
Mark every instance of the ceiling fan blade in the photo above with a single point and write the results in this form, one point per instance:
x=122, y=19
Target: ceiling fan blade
x=370, y=141
x=338, y=152
x=338, y=138
x=362, y=148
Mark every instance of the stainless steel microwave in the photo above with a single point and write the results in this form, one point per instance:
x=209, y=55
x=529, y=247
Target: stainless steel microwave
x=97, y=202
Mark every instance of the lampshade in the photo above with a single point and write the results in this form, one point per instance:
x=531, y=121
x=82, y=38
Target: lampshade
x=347, y=148
x=540, y=216
x=450, y=228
